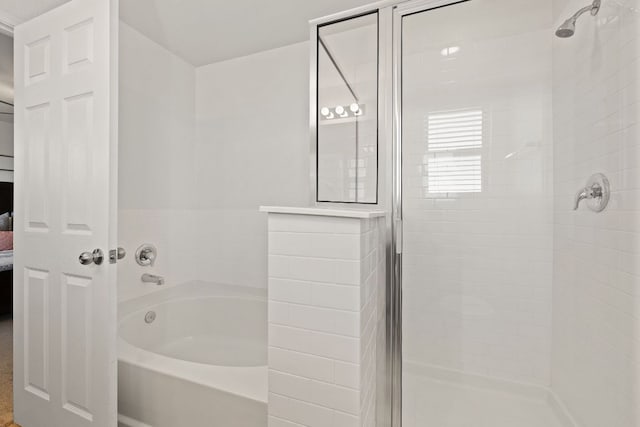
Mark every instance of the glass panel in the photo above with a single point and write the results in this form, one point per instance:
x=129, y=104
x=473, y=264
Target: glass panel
x=348, y=111
x=477, y=206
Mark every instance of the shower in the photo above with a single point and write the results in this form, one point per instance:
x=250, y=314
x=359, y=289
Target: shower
x=568, y=28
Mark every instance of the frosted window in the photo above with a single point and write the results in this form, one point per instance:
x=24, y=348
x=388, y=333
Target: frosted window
x=453, y=163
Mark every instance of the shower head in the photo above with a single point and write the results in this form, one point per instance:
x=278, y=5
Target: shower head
x=568, y=27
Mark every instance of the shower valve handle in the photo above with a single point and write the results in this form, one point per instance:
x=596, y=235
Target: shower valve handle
x=146, y=255
x=596, y=192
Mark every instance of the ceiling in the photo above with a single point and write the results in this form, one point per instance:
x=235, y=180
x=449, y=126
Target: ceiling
x=207, y=31
x=22, y=10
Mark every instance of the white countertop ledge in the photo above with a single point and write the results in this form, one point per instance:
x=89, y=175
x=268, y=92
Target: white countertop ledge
x=343, y=213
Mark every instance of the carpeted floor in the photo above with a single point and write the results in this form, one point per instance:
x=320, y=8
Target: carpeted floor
x=6, y=372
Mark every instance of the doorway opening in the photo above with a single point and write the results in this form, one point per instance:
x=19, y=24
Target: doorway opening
x=6, y=230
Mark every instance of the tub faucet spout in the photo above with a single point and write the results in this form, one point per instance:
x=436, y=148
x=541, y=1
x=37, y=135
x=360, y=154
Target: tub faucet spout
x=152, y=278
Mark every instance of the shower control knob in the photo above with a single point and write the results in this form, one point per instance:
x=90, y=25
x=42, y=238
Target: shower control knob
x=146, y=255
x=596, y=193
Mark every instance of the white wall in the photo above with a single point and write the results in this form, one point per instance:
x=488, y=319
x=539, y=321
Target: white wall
x=6, y=147
x=477, y=266
x=596, y=351
x=6, y=94
x=6, y=135
x=200, y=151
x=252, y=149
x=156, y=160
x=6, y=68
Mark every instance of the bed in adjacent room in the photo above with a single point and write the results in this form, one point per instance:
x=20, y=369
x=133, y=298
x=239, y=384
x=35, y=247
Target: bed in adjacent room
x=6, y=247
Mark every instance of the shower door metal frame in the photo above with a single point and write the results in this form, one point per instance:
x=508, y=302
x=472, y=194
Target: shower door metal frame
x=400, y=11
x=390, y=197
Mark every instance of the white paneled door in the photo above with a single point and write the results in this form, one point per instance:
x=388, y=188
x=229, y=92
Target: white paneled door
x=65, y=358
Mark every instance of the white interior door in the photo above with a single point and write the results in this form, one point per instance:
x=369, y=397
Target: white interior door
x=65, y=360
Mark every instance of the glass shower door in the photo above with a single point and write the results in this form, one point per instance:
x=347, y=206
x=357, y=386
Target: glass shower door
x=477, y=214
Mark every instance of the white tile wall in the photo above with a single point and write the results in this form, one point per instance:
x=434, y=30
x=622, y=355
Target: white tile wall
x=193, y=244
x=324, y=315
x=156, y=117
x=200, y=150
x=252, y=121
x=596, y=299
x=156, y=149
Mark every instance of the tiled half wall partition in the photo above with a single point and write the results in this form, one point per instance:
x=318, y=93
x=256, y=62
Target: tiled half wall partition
x=326, y=314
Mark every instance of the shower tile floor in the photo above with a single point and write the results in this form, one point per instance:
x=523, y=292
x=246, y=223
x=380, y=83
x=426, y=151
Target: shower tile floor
x=434, y=403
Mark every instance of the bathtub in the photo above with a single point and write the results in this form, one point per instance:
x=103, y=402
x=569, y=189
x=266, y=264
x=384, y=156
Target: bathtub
x=193, y=355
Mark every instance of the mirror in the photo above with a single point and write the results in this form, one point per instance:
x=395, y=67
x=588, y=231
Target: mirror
x=347, y=106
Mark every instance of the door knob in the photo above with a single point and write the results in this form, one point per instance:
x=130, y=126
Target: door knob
x=96, y=257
